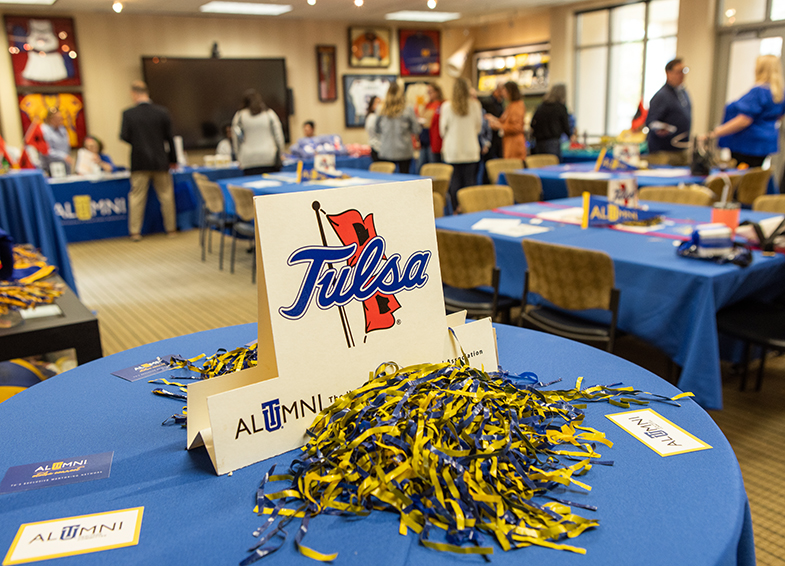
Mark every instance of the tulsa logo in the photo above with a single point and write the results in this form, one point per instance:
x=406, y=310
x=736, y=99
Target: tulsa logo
x=359, y=270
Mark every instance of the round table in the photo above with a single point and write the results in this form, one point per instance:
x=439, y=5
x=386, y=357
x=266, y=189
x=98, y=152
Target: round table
x=684, y=509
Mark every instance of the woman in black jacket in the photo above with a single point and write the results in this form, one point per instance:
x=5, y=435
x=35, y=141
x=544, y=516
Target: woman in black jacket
x=550, y=121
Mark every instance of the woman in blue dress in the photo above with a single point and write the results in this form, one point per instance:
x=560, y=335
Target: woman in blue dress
x=749, y=127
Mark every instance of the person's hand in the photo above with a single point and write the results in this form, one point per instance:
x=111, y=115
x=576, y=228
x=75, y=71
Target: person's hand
x=485, y=150
x=105, y=166
x=69, y=160
x=662, y=133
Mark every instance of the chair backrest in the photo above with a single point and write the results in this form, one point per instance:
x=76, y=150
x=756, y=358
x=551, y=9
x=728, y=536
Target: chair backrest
x=467, y=260
x=525, y=188
x=212, y=195
x=717, y=184
x=496, y=166
x=541, y=160
x=441, y=186
x=243, y=202
x=770, y=203
x=576, y=187
x=570, y=278
x=441, y=171
x=438, y=205
x=752, y=185
x=484, y=197
x=696, y=194
x=657, y=158
x=382, y=167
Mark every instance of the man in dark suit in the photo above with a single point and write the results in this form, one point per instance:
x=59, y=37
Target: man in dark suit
x=148, y=128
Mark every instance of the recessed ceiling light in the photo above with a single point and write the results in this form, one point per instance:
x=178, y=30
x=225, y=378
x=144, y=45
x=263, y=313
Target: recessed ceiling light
x=256, y=9
x=311, y=2
x=117, y=7
x=420, y=16
x=432, y=4
x=32, y=2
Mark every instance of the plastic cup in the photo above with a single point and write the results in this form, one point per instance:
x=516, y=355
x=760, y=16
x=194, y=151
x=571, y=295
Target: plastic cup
x=726, y=213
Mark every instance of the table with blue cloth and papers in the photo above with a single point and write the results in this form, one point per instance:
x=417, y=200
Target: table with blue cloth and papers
x=554, y=177
x=286, y=182
x=666, y=300
x=27, y=213
x=689, y=508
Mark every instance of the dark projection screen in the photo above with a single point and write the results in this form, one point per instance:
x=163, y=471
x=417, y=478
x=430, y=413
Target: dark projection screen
x=203, y=94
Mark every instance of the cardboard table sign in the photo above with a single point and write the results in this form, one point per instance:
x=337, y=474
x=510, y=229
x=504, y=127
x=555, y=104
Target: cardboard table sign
x=657, y=432
x=629, y=152
x=348, y=279
x=75, y=535
x=623, y=192
x=324, y=162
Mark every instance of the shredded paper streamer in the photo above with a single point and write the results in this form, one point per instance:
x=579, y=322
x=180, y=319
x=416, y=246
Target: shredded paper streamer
x=463, y=457
x=27, y=290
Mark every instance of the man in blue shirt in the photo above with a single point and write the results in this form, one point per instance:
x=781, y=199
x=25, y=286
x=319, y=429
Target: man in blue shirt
x=670, y=112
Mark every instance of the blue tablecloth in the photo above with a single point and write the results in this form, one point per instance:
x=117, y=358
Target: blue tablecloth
x=685, y=509
x=554, y=184
x=341, y=162
x=27, y=212
x=667, y=300
x=285, y=183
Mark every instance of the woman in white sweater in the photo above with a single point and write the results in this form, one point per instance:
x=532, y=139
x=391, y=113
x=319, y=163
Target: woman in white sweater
x=257, y=136
x=459, y=125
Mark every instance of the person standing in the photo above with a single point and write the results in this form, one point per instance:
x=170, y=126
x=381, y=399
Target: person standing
x=670, y=113
x=257, y=135
x=749, y=127
x=550, y=121
x=432, y=119
x=371, y=115
x=459, y=125
x=56, y=137
x=395, y=126
x=512, y=123
x=148, y=128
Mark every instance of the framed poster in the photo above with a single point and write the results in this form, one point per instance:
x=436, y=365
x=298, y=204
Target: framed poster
x=416, y=93
x=369, y=47
x=357, y=93
x=419, y=52
x=70, y=104
x=43, y=51
x=325, y=68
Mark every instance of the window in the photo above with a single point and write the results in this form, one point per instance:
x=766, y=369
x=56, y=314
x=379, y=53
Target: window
x=620, y=60
x=736, y=12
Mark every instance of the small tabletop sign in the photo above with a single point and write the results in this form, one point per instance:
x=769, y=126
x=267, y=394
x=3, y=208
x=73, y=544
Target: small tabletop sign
x=348, y=279
x=324, y=162
x=623, y=191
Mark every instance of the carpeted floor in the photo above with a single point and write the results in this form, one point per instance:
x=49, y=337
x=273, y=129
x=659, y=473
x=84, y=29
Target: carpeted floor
x=158, y=288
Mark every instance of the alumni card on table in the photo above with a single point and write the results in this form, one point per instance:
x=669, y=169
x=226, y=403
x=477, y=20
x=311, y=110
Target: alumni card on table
x=57, y=472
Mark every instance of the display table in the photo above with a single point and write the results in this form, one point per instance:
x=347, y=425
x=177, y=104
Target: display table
x=554, y=177
x=277, y=183
x=667, y=300
x=685, y=509
x=96, y=207
x=341, y=162
x=27, y=212
x=76, y=328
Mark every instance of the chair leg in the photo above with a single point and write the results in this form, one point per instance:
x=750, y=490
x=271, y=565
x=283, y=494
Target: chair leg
x=209, y=238
x=745, y=361
x=234, y=245
x=759, y=382
x=221, y=251
x=204, y=248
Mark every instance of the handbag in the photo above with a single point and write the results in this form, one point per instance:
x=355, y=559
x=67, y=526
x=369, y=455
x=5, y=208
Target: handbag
x=278, y=164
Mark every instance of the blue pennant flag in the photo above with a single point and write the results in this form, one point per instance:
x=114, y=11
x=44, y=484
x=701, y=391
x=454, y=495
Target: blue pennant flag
x=597, y=211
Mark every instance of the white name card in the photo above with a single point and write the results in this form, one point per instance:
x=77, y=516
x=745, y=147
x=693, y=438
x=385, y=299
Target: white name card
x=75, y=535
x=657, y=432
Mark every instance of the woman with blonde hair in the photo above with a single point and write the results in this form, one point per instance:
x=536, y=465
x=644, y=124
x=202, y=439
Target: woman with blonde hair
x=459, y=125
x=395, y=127
x=749, y=127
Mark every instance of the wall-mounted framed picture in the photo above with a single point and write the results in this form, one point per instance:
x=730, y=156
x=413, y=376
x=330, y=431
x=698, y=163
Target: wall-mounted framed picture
x=70, y=104
x=420, y=52
x=43, y=52
x=325, y=68
x=357, y=93
x=369, y=47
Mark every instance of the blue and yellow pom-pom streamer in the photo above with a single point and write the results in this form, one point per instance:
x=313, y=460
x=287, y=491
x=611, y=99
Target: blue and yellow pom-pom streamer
x=480, y=457
x=26, y=290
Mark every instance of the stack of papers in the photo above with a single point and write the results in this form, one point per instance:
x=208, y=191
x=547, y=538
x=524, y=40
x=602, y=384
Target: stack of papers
x=573, y=215
x=508, y=227
x=262, y=184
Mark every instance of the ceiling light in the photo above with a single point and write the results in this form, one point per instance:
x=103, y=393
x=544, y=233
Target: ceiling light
x=358, y=3
x=311, y=2
x=256, y=9
x=431, y=4
x=33, y=2
x=117, y=7
x=418, y=16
